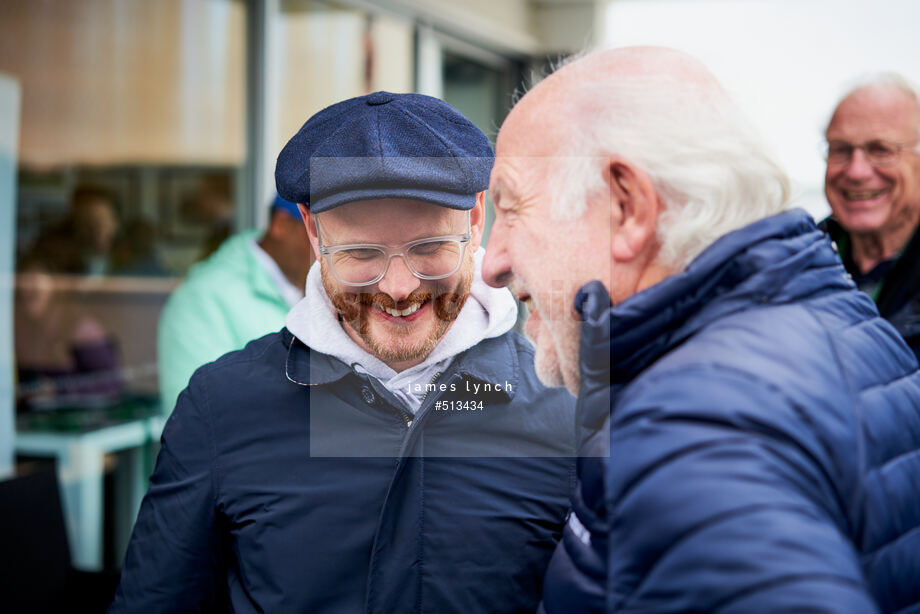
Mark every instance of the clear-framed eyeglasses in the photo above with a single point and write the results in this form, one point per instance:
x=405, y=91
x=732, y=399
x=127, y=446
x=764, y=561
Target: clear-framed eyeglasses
x=878, y=152
x=363, y=264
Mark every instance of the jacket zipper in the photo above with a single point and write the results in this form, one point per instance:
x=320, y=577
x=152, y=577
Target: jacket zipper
x=410, y=418
x=428, y=390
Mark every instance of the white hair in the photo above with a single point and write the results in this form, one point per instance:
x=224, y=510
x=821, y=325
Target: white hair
x=709, y=167
x=881, y=80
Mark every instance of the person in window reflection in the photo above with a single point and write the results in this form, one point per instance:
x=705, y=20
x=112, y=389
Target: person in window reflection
x=134, y=252
x=82, y=242
x=209, y=207
x=873, y=186
x=749, y=427
x=241, y=292
x=390, y=449
x=64, y=356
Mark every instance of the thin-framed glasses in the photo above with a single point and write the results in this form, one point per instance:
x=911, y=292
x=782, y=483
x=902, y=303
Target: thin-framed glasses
x=878, y=152
x=363, y=264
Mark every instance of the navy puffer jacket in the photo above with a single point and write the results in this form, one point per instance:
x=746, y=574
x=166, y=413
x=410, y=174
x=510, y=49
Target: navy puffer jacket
x=763, y=430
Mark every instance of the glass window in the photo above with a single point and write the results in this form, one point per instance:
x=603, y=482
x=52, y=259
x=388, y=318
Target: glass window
x=329, y=53
x=132, y=141
x=132, y=147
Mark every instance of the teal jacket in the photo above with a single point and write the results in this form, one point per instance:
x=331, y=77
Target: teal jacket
x=226, y=301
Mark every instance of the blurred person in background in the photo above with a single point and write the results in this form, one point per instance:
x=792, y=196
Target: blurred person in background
x=92, y=240
x=873, y=187
x=64, y=356
x=135, y=250
x=82, y=242
x=241, y=292
x=749, y=425
x=390, y=450
x=209, y=208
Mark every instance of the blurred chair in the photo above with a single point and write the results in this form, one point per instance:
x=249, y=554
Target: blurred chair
x=35, y=567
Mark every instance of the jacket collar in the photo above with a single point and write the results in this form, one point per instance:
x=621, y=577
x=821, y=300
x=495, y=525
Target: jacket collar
x=237, y=253
x=259, y=279
x=902, y=280
x=492, y=361
x=306, y=368
x=758, y=264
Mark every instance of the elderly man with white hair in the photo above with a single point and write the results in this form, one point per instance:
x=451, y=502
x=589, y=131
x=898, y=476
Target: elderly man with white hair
x=749, y=426
x=873, y=186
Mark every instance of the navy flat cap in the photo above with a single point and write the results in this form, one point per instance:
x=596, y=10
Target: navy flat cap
x=385, y=145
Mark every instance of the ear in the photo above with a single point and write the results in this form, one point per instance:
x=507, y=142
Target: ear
x=309, y=221
x=635, y=208
x=478, y=220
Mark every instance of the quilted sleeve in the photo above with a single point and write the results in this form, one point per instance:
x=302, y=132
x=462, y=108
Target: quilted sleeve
x=721, y=497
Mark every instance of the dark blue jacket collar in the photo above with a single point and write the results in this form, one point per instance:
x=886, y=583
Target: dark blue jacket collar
x=307, y=368
x=758, y=264
x=494, y=361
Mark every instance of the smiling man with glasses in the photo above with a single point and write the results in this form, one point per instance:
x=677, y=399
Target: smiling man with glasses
x=419, y=299
x=391, y=449
x=873, y=187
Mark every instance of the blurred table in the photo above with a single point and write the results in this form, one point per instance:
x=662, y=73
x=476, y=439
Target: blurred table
x=79, y=439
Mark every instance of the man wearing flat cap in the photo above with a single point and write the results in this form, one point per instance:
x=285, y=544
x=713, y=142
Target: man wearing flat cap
x=391, y=449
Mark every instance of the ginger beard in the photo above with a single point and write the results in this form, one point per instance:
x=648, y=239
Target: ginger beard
x=394, y=341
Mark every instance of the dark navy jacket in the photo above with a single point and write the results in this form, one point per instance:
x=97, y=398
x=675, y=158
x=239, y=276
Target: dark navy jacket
x=289, y=483
x=895, y=283
x=763, y=430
